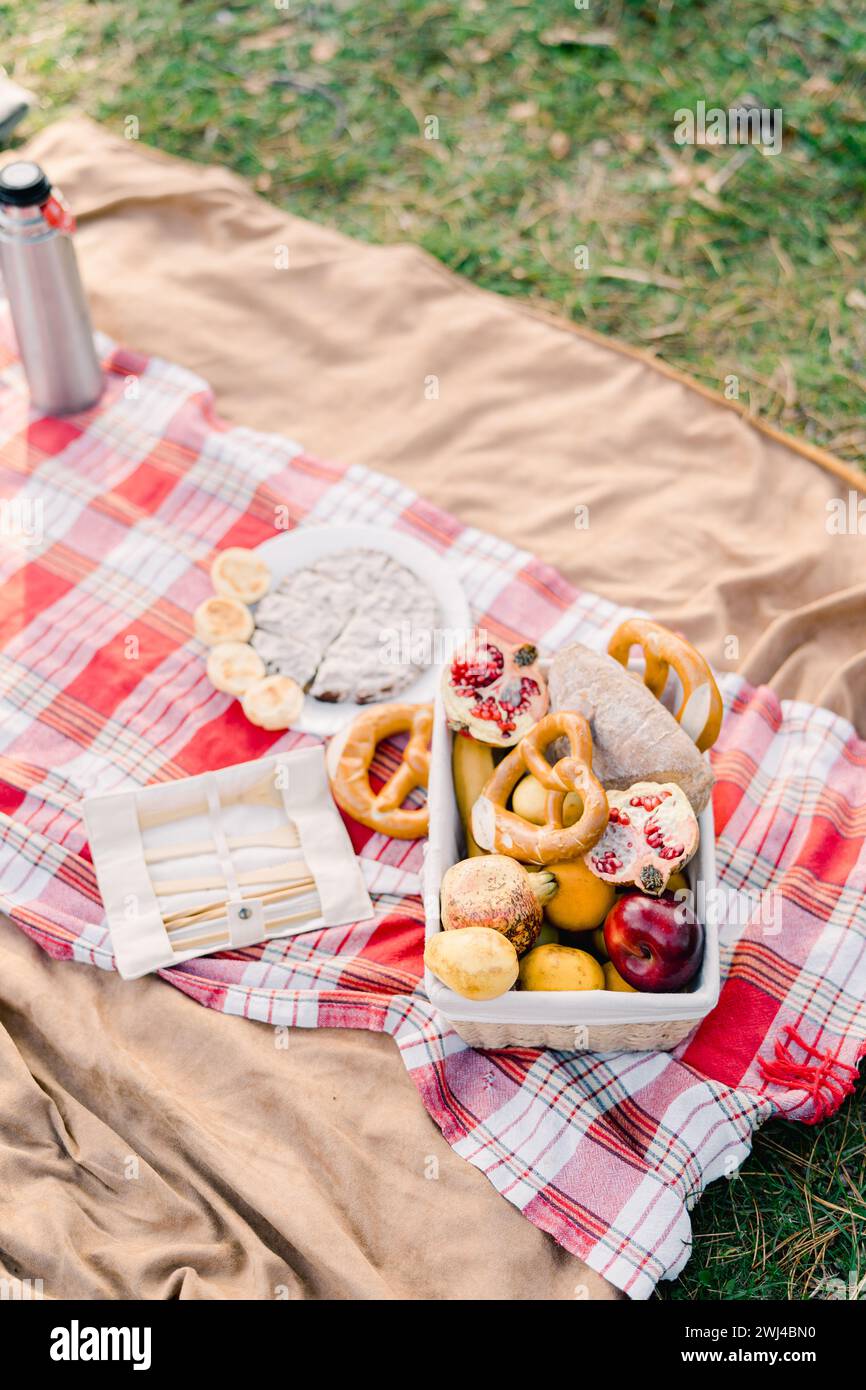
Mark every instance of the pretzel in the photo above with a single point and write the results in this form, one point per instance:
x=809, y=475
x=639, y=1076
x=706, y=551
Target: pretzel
x=349, y=768
x=700, y=712
x=504, y=832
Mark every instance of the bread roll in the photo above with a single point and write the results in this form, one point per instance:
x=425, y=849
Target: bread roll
x=635, y=738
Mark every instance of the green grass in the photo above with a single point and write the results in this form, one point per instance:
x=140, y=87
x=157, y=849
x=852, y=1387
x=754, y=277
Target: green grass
x=791, y=1222
x=544, y=146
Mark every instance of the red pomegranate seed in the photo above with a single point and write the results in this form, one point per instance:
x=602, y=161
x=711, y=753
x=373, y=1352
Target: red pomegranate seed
x=479, y=668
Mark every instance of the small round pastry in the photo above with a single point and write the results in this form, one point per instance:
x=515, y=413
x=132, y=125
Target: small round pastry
x=233, y=667
x=273, y=703
x=221, y=619
x=241, y=574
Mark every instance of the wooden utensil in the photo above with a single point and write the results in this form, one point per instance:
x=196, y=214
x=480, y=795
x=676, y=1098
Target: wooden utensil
x=200, y=941
x=180, y=920
x=284, y=838
x=289, y=872
x=262, y=793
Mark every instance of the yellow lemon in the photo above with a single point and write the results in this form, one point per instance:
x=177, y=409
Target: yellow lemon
x=676, y=881
x=581, y=901
x=560, y=967
x=598, y=943
x=529, y=799
x=613, y=979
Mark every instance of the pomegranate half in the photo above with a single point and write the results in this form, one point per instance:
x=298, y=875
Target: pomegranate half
x=651, y=833
x=494, y=692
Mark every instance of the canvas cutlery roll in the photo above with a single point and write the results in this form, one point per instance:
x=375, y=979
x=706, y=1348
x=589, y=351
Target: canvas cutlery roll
x=223, y=860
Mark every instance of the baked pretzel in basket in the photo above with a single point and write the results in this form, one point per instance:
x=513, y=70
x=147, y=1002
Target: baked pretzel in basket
x=349, y=769
x=700, y=710
x=502, y=831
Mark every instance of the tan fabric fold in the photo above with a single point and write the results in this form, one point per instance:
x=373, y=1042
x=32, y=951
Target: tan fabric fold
x=301, y=1170
x=151, y=1148
x=511, y=420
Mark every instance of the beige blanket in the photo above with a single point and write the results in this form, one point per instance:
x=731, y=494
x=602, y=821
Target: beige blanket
x=149, y=1147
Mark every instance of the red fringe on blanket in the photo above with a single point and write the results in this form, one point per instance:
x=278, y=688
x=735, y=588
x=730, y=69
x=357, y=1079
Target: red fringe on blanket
x=825, y=1079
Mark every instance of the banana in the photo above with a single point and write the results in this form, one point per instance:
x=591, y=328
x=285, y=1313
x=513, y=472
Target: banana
x=221, y=619
x=241, y=574
x=233, y=667
x=471, y=766
x=273, y=703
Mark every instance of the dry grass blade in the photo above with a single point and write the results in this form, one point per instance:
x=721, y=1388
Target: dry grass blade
x=640, y=277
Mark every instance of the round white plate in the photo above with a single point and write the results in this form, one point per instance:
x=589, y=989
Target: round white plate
x=307, y=544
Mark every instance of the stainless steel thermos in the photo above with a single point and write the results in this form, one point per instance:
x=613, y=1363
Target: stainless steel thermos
x=49, y=311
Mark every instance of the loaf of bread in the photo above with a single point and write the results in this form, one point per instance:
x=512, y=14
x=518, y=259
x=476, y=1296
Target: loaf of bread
x=635, y=738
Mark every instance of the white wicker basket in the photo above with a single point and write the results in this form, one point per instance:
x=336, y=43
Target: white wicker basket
x=574, y=1021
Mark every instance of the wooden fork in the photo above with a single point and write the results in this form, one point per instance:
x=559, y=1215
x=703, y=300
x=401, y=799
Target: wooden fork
x=284, y=838
x=289, y=872
x=178, y=921
x=261, y=793
x=201, y=941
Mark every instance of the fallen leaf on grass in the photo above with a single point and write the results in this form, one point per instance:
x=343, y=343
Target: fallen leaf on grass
x=324, y=49
x=523, y=110
x=256, y=84
x=560, y=35
x=817, y=85
x=855, y=299
x=263, y=40
x=559, y=144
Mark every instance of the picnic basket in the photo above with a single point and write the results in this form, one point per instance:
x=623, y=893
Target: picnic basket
x=589, y=1021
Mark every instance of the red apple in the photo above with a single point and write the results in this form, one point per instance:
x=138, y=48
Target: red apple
x=656, y=944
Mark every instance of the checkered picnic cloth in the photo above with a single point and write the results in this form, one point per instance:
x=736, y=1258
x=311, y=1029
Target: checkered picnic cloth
x=111, y=520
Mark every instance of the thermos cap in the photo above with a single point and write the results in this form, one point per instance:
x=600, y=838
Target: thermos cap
x=23, y=184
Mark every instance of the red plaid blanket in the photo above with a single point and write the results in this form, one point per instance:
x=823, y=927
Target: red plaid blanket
x=110, y=520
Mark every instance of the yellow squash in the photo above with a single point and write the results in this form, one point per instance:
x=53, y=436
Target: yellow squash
x=477, y=962
x=471, y=766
